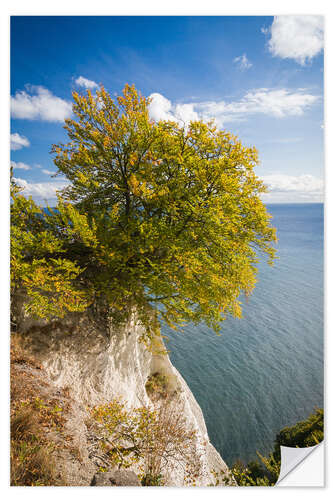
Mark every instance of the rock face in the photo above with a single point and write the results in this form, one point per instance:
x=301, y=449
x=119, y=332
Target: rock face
x=115, y=478
x=97, y=369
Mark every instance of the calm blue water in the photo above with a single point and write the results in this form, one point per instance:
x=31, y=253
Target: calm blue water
x=266, y=370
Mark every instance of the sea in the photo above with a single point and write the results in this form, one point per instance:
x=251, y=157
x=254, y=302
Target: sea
x=265, y=371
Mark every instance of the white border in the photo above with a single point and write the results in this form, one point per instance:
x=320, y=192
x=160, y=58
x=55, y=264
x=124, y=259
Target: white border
x=141, y=7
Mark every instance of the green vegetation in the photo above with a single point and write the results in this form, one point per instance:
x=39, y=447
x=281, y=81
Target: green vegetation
x=42, y=271
x=148, y=480
x=222, y=478
x=157, y=385
x=150, y=439
x=157, y=218
x=265, y=473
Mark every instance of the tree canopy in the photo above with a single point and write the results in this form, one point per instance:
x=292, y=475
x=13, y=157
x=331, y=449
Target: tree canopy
x=156, y=215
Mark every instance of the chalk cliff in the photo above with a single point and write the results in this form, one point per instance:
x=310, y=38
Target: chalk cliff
x=97, y=368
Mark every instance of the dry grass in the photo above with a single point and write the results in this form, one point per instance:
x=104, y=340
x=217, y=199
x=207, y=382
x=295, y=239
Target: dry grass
x=36, y=415
x=18, y=352
x=31, y=457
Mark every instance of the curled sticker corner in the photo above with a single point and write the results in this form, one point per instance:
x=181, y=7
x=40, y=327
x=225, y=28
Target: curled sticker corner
x=291, y=458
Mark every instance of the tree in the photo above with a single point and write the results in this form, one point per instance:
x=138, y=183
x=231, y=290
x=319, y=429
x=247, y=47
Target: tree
x=157, y=216
x=42, y=276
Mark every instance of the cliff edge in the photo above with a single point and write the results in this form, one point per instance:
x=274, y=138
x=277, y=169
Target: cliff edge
x=85, y=367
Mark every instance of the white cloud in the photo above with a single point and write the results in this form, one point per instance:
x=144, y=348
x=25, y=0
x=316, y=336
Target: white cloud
x=47, y=172
x=20, y=165
x=160, y=108
x=296, y=37
x=185, y=113
x=84, y=82
x=39, y=104
x=18, y=141
x=282, y=187
x=242, y=62
x=302, y=183
x=41, y=191
x=272, y=102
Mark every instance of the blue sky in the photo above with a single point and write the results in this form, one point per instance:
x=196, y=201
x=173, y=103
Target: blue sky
x=260, y=78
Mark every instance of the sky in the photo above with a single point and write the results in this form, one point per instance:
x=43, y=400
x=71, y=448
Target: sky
x=258, y=77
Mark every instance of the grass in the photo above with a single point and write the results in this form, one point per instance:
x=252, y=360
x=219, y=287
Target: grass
x=35, y=417
x=31, y=461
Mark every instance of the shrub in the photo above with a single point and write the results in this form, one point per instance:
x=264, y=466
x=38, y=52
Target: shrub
x=157, y=385
x=149, y=480
x=153, y=438
x=306, y=433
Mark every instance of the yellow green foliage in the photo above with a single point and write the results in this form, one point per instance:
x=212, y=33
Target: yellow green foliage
x=152, y=438
x=39, y=268
x=156, y=217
